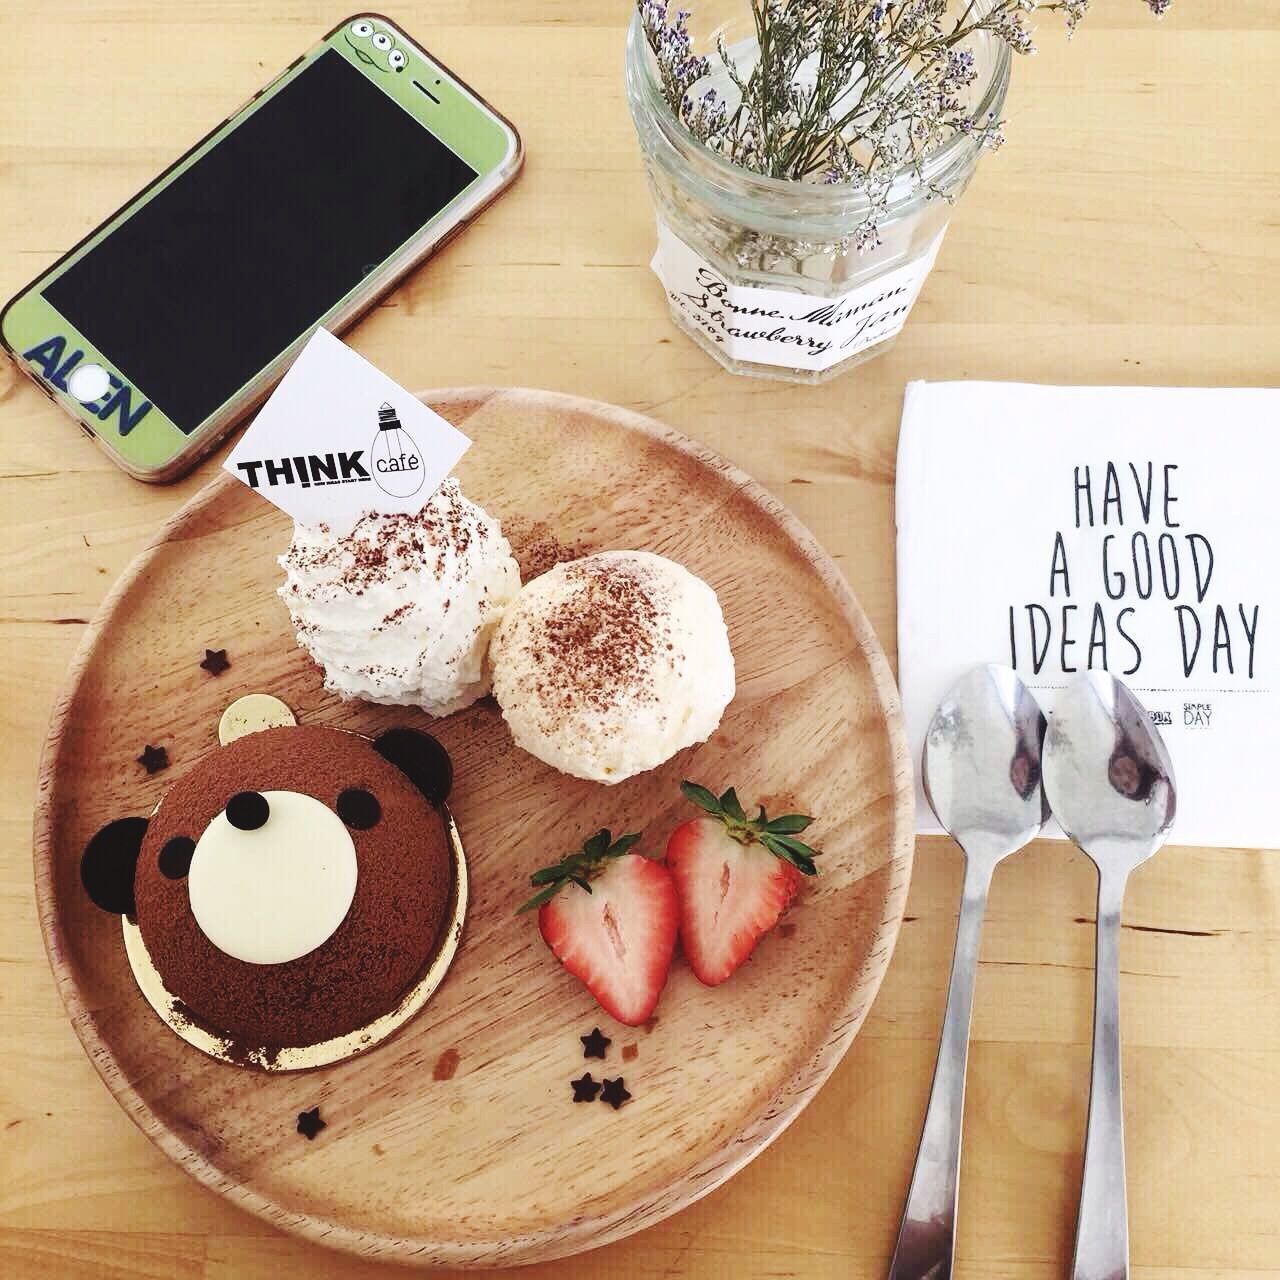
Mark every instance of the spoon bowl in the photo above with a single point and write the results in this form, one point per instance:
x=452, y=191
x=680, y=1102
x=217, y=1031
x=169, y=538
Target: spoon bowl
x=1108, y=776
x=982, y=763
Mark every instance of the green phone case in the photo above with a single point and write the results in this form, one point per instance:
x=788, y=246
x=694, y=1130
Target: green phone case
x=136, y=432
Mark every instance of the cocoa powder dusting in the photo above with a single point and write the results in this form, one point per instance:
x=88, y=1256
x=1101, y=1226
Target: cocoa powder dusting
x=396, y=615
x=599, y=646
x=537, y=548
x=380, y=547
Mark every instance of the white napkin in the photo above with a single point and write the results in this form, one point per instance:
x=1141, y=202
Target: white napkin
x=1020, y=511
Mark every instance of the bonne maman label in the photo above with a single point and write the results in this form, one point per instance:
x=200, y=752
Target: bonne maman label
x=792, y=329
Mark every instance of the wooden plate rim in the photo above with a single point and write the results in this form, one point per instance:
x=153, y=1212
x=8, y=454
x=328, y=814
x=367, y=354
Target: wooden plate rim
x=560, y=1239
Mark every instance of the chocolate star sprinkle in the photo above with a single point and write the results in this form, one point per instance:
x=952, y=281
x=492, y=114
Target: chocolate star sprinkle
x=614, y=1092
x=153, y=759
x=215, y=661
x=595, y=1045
x=585, y=1089
x=309, y=1123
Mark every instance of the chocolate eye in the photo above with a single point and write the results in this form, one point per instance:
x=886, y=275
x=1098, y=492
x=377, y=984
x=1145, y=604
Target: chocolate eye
x=358, y=809
x=248, y=810
x=175, y=857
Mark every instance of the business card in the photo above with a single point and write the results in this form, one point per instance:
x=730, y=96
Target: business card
x=339, y=438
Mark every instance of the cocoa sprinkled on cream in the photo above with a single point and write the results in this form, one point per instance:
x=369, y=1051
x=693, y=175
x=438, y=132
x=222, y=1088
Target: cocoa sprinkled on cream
x=380, y=546
x=607, y=666
x=400, y=608
x=599, y=646
x=396, y=615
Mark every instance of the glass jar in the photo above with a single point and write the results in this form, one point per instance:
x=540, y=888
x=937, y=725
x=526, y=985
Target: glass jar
x=765, y=273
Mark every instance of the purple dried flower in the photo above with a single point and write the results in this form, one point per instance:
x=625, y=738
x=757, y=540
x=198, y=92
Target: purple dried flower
x=893, y=86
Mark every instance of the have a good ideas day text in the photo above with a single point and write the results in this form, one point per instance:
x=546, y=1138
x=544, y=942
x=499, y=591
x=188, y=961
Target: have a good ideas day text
x=1142, y=553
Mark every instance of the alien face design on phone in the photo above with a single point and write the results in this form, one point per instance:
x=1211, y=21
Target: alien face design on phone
x=374, y=46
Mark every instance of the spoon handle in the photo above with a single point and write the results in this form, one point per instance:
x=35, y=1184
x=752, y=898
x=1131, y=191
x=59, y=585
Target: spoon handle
x=926, y=1238
x=1102, y=1228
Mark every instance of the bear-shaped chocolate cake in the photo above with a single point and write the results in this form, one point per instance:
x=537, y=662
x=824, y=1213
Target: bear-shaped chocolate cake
x=292, y=886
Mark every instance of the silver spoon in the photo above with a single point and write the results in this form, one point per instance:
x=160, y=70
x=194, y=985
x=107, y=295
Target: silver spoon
x=1110, y=784
x=982, y=777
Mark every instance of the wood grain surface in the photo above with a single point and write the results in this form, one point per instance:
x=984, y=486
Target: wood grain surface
x=471, y=1098
x=1126, y=233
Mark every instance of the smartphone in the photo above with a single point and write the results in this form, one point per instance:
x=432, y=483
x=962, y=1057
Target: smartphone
x=177, y=315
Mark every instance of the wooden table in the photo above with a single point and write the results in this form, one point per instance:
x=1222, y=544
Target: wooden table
x=1127, y=233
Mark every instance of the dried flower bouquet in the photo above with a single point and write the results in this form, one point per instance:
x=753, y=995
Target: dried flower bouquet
x=853, y=92
x=803, y=155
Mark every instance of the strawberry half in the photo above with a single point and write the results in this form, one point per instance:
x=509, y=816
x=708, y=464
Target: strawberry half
x=734, y=876
x=613, y=926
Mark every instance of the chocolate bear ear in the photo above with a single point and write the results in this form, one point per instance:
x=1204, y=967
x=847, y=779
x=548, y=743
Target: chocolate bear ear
x=421, y=758
x=108, y=863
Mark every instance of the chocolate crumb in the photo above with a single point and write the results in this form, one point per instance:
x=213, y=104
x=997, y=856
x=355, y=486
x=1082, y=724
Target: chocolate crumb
x=595, y=1045
x=585, y=1088
x=614, y=1092
x=630, y=1052
x=310, y=1124
x=446, y=1065
x=241, y=1052
x=153, y=759
x=215, y=661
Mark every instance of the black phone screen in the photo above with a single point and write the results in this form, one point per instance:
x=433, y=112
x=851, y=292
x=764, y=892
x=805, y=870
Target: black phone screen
x=218, y=273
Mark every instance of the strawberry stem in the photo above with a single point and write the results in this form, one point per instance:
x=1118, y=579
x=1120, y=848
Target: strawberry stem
x=777, y=835
x=578, y=868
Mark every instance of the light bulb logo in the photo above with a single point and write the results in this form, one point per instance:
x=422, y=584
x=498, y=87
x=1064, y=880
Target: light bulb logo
x=397, y=464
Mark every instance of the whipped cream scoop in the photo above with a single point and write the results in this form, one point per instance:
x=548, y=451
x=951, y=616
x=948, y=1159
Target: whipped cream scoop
x=401, y=609
x=607, y=666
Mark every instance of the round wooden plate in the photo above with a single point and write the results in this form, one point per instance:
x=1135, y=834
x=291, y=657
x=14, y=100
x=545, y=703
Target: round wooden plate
x=456, y=1142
